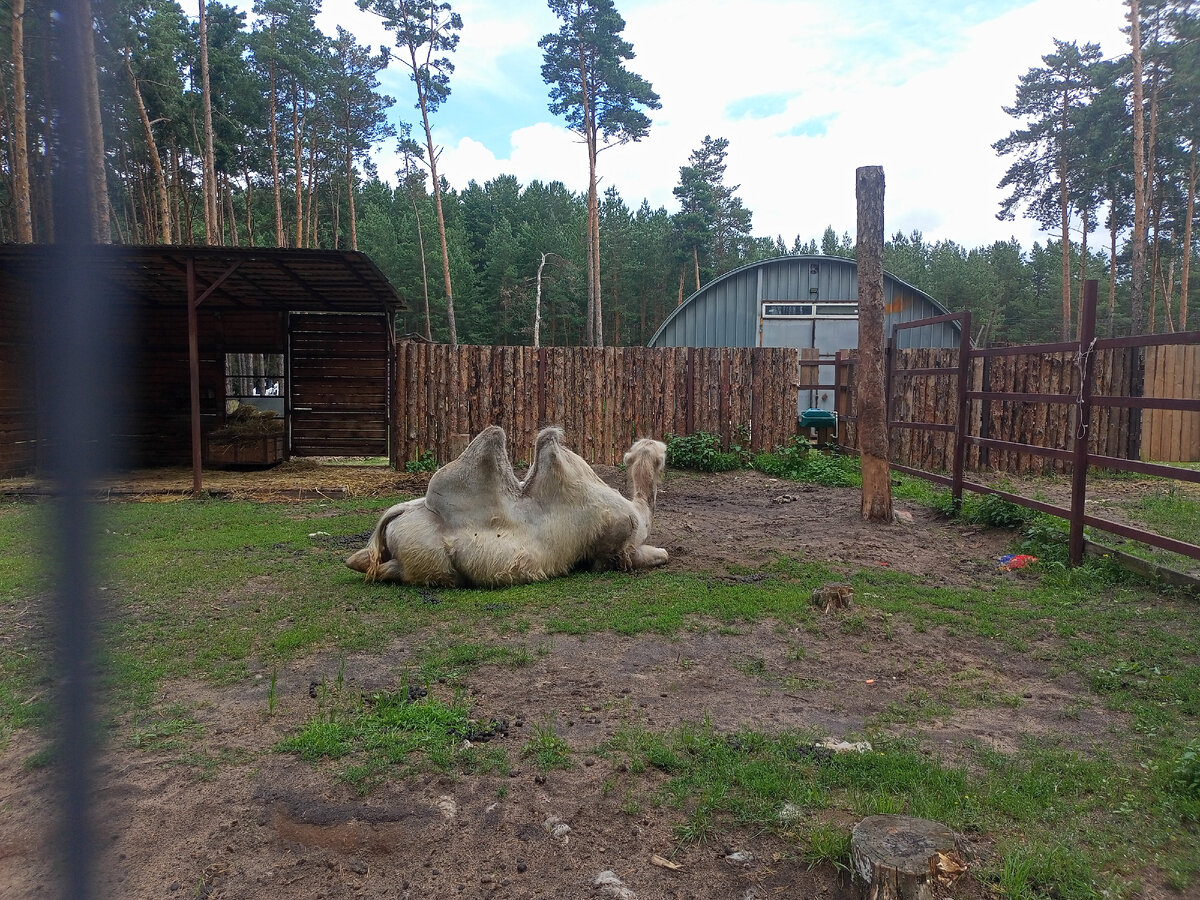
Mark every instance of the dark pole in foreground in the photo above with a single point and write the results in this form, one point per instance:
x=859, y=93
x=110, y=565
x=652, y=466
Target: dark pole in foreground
x=74, y=326
x=1083, y=415
x=872, y=397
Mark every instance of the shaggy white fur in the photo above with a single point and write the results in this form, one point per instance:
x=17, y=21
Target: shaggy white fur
x=478, y=525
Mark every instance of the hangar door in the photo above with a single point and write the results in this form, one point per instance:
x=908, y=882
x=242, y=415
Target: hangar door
x=339, y=384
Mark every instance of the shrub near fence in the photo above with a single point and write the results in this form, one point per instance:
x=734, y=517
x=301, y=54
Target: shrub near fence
x=604, y=398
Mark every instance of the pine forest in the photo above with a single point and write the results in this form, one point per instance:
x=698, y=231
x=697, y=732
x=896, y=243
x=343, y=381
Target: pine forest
x=216, y=126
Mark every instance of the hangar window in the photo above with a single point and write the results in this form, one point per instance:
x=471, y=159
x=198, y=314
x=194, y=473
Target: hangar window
x=809, y=310
x=837, y=309
x=779, y=310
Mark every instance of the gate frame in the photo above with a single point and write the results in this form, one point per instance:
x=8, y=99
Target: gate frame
x=1078, y=454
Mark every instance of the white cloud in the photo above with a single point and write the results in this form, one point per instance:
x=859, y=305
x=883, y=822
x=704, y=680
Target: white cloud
x=819, y=91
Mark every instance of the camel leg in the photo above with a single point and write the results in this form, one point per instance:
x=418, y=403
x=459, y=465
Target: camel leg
x=647, y=557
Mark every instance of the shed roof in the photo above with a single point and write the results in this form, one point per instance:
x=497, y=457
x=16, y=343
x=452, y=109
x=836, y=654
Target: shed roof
x=228, y=277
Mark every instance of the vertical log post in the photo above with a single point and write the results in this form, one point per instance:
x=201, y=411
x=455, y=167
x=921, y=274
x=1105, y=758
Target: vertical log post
x=962, y=425
x=872, y=400
x=1083, y=412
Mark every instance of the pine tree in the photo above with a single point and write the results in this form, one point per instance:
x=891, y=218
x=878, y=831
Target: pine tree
x=360, y=121
x=1050, y=99
x=424, y=30
x=601, y=100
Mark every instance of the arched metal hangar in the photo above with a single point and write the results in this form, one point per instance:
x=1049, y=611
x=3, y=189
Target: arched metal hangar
x=797, y=301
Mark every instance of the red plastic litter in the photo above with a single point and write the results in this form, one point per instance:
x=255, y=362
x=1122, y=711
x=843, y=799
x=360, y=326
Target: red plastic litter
x=1016, y=561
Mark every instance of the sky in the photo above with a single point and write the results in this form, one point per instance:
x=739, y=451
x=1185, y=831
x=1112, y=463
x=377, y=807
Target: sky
x=805, y=91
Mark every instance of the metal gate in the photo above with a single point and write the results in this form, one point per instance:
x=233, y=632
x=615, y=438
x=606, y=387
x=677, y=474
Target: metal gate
x=339, y=384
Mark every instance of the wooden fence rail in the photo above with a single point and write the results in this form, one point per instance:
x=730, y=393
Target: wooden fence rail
x=922, y=408
x=1099, y=383
x=604, y=398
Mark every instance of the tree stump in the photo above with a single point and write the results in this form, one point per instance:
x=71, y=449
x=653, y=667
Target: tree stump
x=902, y=858
x=833, y=595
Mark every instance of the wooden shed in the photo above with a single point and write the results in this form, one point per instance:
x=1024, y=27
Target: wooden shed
x=325, y=317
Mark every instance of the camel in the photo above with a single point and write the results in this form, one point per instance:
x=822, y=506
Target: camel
x=479, y=526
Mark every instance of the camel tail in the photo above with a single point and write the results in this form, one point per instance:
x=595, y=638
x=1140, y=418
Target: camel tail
x=645, y=463
x=371, y=558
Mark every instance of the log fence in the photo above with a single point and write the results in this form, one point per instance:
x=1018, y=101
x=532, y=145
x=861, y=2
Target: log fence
x=604, y=398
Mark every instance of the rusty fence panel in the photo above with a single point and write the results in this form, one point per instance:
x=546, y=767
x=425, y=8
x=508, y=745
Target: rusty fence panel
x=1062, y=407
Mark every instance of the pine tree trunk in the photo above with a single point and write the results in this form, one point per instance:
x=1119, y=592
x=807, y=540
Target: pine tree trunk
x=870, y=388
x=1112, y=271
x=273, y=111
x=249, y=206
x=160, y=181
x=350, y=184
x=1064, y=204
x=212, y=233
x=312, y=208
x=230, y=215
x=298, y=158
x=537, y=305
x=97, y=177
x=590, y=338
x=22, y=201
x=441, y=218
x=1187, y=240
x=421, y=247
x=1137, y=286
x=1083, y=262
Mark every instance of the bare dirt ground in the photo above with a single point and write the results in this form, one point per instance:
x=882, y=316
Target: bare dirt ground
x=265, y=825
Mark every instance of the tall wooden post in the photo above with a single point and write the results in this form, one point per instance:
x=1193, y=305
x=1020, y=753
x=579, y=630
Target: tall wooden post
x=872, y=397
x=1085, y=360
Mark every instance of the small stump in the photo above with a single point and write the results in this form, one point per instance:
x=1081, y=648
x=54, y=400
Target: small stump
x=902, y=858
x=833, y=595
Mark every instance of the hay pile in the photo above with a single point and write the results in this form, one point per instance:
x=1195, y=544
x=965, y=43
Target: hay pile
x=294, y=479
x=247, y=424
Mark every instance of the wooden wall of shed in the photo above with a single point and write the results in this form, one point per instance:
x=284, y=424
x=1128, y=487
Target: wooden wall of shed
x=18, y=385
x=156, y=374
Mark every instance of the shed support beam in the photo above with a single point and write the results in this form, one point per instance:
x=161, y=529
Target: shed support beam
x=193, y=302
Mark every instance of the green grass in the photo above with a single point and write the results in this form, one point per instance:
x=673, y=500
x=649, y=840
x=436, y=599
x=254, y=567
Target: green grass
x=392, y=734
x=226, y=591
x=546, y=749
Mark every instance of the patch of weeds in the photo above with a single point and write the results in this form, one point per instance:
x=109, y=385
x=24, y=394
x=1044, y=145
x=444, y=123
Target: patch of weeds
x=752, y=667
x=798, y=462
x=918, y=706
x=426, y=462
x=630, y=805
x=546, y=749
x=854, y=623
x=40, y=759
x=405, y=728
x=168, y=732
x=702, y=452
x=1053, y=870
x=1185, y=773
x=826, y=844
x=453, y=661
x=206, y=765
